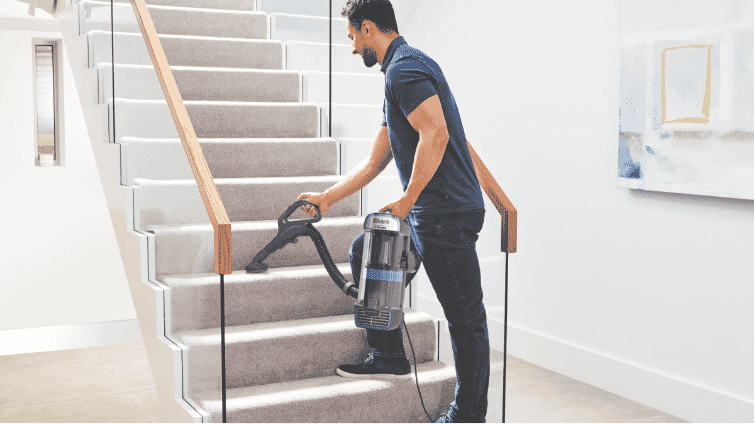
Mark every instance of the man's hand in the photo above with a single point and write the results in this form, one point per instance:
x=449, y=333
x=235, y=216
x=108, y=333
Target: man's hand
x=400, y=207
x=318, y=199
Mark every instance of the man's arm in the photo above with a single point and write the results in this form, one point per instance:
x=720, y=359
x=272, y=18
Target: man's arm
x=358, y=178
x=365, y=172
x=429, y=121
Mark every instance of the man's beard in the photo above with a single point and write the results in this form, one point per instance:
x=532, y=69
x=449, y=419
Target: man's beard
x=370, y=56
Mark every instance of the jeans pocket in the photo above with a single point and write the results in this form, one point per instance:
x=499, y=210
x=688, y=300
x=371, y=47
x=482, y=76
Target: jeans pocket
x=425, y=226
x=469, y=226
x=442, y=229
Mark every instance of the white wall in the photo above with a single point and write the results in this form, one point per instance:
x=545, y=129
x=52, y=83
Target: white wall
x=59, y=260
x=645, y=294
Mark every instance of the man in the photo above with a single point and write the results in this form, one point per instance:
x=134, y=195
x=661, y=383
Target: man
x=442, y=201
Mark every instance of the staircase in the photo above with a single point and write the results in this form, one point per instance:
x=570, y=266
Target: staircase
x=253, y=79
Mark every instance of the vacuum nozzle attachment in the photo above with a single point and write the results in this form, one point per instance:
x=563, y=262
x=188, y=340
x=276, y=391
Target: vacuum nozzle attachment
x=288, y=231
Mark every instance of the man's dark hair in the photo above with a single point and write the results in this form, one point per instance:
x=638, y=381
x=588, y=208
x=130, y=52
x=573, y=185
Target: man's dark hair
x=378, y=11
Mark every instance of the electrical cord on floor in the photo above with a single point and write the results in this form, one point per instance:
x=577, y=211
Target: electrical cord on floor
x=416, y=373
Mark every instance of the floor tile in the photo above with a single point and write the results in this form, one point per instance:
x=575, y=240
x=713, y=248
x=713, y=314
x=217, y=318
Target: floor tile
x=114, y=384
x=149, y=404
x=567, y=400
x=664, y=418
x=108, y=408
x=73, y=374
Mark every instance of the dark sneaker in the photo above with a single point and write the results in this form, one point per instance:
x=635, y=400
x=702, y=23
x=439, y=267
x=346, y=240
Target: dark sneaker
x=378, y=367
x=448, y=418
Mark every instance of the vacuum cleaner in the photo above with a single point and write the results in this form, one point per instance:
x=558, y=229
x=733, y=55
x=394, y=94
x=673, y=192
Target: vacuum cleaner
x=386, y=264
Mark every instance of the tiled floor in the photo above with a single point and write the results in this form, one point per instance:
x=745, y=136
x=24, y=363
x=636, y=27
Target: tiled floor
x=114, y=384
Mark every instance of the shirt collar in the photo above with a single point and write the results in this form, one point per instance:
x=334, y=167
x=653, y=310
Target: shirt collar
x=390, y=51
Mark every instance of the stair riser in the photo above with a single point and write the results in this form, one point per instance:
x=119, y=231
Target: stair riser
x=141, y=83
x=298, y=7
x=284, y=27
x=247, y=5
x=186, y=51
x=312, y=353
x=315, y=57
x=96, y=15
x=230, y=159
x=152, y=119
x=358, y=89
x=189, y=252
x=255, y=298
x=355, y=121
x=181, y=203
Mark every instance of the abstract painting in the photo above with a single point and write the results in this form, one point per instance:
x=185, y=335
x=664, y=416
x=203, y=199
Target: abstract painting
x=686, y=115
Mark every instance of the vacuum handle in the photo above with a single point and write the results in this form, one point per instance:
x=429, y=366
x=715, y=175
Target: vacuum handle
x=283, y=222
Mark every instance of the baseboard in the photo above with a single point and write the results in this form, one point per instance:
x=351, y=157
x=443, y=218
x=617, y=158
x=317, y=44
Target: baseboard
x=67, y=337
x=684, y=399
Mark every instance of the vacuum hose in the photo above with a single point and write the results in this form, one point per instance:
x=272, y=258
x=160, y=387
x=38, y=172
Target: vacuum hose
x=348, y=287
x=288, y=232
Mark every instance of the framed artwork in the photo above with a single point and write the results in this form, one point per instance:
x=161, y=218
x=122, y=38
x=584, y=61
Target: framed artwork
x=687, y=112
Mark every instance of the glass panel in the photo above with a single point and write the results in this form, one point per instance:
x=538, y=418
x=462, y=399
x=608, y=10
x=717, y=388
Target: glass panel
x=139, y=119
x=45, y=104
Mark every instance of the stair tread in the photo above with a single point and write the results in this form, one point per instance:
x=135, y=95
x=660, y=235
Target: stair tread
x=243, y=180
x=181, y=8
x=190, y=37
x=241, y=103
x=287, y=328
x=320, y=387
x=132, y=139
x=317, y=44
x=251, y=225
x=241, y=276
x=233, y=6
x=220, y=102
x=294, y=15
x=175, y=68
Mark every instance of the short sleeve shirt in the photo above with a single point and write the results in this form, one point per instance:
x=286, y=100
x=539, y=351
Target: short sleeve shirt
x=411, y=77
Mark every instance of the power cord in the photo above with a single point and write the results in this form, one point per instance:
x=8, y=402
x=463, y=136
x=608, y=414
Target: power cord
x=416, y=373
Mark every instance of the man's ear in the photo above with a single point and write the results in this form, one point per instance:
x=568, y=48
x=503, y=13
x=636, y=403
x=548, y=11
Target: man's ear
x=369, y=26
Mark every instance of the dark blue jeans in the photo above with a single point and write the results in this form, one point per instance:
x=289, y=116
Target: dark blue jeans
x=446, y=244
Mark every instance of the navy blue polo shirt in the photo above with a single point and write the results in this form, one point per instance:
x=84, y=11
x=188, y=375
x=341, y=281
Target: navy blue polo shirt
x=411, y=77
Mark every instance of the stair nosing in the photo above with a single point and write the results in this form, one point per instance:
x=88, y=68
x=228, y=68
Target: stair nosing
x=127, y=100
x=348, y=46
x=285, y=329
x=246, y=225
x=243, y=275
x=378, y=384
x=245, y=180
x=308, y=17
x=207, y=69
x=198, y=9
x=234, y=140
x=197, y=37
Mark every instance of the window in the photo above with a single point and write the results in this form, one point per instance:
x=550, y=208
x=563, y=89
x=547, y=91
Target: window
x=47, y=94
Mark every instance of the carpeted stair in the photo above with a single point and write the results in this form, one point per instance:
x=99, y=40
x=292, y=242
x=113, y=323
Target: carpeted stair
x=258, y=106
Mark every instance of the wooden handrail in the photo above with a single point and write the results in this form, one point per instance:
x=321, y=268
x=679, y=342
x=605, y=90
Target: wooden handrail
x=509, y=236
x=207, y=188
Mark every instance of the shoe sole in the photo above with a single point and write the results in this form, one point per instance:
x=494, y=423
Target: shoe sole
x=374, y=376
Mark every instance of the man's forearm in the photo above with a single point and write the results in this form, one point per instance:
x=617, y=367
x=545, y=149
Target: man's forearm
x=429, y=154
x=357, y=179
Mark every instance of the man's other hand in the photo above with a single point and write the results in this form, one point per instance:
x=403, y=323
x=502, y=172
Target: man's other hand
x=318, y=199
x=399, y=208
